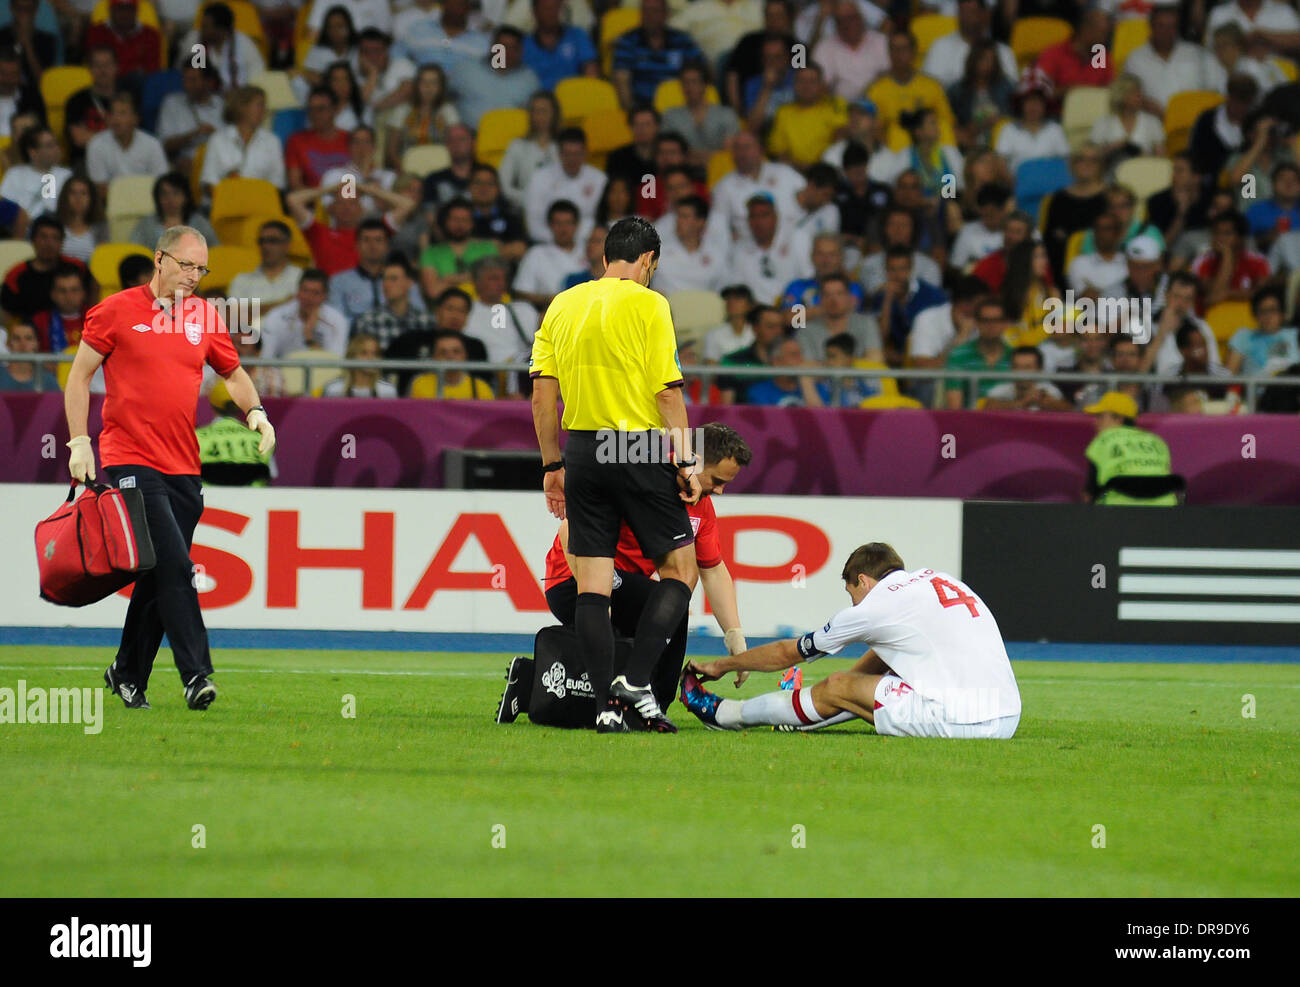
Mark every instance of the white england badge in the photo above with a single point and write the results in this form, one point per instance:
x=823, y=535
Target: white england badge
x=194, y=332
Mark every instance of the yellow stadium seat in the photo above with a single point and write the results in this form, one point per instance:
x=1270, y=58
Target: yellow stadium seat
x=1084, y=106
x=196, y=172
x=299, y=249
x=146, y=13
x=997, y=129
x=720, y=163
x=605, y=131
x=496, y=129
x=669, y=94
x=695, y=312
x=104, y=261
x=1227, y=317
x=424, y=159
x=1133, y=32
x=1287, y=67
x=580, y=97
x=1145, y=175
x=613, y=24
x=927, y=28
x=279, y=93
x=57, y=86
x=295, y=378
x=1181, y=114
x=224, y=262
x=234, y=199
x=1073, y=246
x=881, y=402
x=300, y=28
x=1030, y=35
x=130, y=198
x=1292, y=289
x=13, y=253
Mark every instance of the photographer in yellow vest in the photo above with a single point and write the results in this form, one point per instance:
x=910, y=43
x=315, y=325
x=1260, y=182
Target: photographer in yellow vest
x=1127, y=464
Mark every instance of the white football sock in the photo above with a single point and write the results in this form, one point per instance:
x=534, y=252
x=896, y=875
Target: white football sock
x=769, y=709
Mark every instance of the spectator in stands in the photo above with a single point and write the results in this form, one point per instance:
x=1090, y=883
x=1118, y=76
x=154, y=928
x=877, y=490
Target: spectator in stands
x=1183, y=205
x=776, y=256
x=804, y=128
x=861, y=130
x=931, y=218
x=852, y=391
x=243, y=148
x=87, y=109
x=827, y=260
x=123, y=149
x=769, y=332
x=360, y=382
x=26, y=184
x=753, y=174
x=525, y=155
x=838, y=315
x=364, y=13
x=421, y=119
x=1194, y=351
x=817, y=20
x=27, y=284
x=988, y=350
x=1077, y=206
x=1146, y=275
x=1250, y=172
x=992, y=270
x=981, y=95
x=814, y=210
x=80, y=211
x=306, y=322
x=636, y=159
x=949, y=53
x=706, y=127
x=1027, y=395
x=860, y=198
x=736, y=332
x=688, y=261
x=1073, y=62
x=595, y=258
x=455, y=385
x=335, y=42
x=362, y=167
x=310, y=153
x=59, y=325
x=139, y=47
x=17, y=375
x=173, y=205
x=135, y=270
x=505, y=329
x=1217, y=132
x=1125, y=358
x=570, y=180
x=653, y=200
x=788, y=391
x=334, y=246
x=556, y=50
x=500, y=80
x=37, y=50
x=1029, y=294
x=618, y=201
x=386, y=82
x=1269, y=348
x=234, y=53
x=898, y=228
x=414, y=234
x=1228, y=270
x=351, y=110
x=938, y=329
x=1128, y=130
x=649, y=54
x=1234, y=52
x=981, y=237
x=548, y=263
x=1031, y=134
x=359, y=290
x=189, y=117
x=1276, y=22
x=446, y=264
x=1192, y=242
x=772, y=88
x=450, y=311
x=1280, y=213
x=1086, y=345
x=1102, y=272
x=401, y=310
x=903, y=89
x=746, y=61
x=1179, y=310
x=494, y=219
x=1165, y=64
x=274, y=280
x=717, y=25
x=442, y=37
x=452, y=182
x=850, y=55
x=901, y=298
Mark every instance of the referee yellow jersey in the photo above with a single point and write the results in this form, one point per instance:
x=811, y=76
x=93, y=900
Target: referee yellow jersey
x=610, y=343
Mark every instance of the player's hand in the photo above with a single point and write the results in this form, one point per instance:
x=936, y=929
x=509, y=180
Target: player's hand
x=706, y=670
x=553, y=487
x=689, y=482
x=259, y=423
x=81, y=464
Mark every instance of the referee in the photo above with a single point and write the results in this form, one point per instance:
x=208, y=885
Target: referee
x=608, y=347
x=153, y=341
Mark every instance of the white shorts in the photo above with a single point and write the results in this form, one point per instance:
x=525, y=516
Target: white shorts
x=900, y=712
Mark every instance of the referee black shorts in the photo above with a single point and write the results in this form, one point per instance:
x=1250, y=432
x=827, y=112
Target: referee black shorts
x=599, y=495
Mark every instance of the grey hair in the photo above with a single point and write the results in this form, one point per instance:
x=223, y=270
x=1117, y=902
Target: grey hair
x=489, y=263
x=173, y=235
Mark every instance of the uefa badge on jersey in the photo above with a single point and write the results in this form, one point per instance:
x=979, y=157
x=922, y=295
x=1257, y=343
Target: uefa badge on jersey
x=194, y=332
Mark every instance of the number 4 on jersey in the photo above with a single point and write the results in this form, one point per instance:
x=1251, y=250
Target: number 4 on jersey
x=957, y=599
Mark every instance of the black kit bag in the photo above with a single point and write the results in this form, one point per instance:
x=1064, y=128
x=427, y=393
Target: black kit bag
x=562, y=694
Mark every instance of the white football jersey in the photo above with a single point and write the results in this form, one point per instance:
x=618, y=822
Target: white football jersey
x=937, y=635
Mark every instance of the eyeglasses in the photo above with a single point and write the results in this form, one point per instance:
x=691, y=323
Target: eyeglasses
x=187, y=267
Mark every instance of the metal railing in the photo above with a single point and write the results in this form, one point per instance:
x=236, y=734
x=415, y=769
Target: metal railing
x=709, y=373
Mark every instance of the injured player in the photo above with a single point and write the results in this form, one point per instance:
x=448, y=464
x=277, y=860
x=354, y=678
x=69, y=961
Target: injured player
x=936, y=667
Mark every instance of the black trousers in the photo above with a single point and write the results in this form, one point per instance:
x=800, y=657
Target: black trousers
x=625, y=606
x=164, y=599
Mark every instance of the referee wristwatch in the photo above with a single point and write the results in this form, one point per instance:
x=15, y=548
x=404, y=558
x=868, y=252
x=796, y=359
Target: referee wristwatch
x=688, y=464
x=553, y=467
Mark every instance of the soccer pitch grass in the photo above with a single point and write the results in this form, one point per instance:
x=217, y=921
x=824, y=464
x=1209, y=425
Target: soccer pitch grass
x=295, y=799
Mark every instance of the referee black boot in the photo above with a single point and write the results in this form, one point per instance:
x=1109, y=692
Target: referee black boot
x=200, y=692
x=639, y=703
x=133, y=697
x=612, y=719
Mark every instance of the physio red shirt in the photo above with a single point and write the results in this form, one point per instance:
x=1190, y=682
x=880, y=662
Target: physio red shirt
x=153, y=365
x=628, y=557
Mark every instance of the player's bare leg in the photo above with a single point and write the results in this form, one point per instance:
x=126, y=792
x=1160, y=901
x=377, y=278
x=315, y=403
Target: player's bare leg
x=836, y=699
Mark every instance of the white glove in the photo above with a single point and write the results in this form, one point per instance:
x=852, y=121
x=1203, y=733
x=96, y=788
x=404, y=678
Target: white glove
x=258, y=422
x=735, y=641
x=81, y=464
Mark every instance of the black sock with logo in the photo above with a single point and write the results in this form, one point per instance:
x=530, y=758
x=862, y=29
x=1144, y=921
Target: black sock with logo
x=596, y=637
x=664, y=610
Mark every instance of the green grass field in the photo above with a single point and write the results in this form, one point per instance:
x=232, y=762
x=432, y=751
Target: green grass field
x=403, y=800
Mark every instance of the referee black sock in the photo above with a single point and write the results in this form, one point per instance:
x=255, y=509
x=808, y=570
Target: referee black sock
x=664, y=610
x=596, y=637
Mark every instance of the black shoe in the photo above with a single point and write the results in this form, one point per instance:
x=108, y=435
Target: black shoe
x=639, y=702
x=200, y=692
x=131, y=696
x=519, y=688
x=613, y=720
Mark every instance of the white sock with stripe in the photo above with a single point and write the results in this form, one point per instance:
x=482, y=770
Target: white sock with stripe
x=769, y=709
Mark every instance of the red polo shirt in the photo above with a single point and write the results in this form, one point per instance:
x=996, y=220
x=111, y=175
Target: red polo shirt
x=1066, y=69
x=316, y=155
x=153, y=365
x=1252, y=269
x=139, y=51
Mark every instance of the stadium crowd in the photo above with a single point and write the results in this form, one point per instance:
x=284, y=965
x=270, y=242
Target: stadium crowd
x=931, y=184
